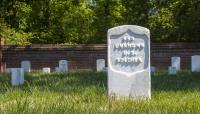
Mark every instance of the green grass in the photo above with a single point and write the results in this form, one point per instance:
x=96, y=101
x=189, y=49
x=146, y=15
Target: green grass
x=86, y=93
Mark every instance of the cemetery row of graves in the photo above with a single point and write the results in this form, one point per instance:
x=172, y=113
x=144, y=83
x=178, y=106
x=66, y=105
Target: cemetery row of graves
x=128, y=68
x=126, y=85
x=17, y=74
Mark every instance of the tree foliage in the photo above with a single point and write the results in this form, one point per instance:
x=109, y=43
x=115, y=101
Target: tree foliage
x=87, y=21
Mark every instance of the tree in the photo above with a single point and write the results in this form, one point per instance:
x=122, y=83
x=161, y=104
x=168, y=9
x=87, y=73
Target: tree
x=108, y=13
x=175, y=21
x=87, y=21
x=136, y=12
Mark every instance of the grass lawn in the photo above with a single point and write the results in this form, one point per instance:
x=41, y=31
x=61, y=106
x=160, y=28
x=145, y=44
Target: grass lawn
x=86, y=93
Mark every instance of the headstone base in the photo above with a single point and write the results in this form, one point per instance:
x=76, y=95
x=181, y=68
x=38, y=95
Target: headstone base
x=172, y=70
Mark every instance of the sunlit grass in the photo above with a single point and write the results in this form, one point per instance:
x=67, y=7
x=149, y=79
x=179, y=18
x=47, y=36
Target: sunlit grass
x=86, y=93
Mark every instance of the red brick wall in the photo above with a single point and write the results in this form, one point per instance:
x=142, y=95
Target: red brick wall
x=79, y=56
x=161, y=54
x=84, y=56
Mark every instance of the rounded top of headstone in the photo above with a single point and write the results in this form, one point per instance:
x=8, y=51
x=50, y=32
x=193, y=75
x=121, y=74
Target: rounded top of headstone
x=100, y=59
x=175, y=57
x=62, y=60
x=25, y=61
x=196, y=56
x=123, y=28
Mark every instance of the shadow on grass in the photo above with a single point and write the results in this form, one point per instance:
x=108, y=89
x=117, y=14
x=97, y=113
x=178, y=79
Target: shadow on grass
x=84, y=81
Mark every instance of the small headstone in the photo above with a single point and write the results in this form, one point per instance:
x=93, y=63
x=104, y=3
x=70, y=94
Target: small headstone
x=26, y=65
x=195, y=64
x=57, y=69
x=176, y=62
x=129, y=62
x=171, y=70
x=100, y=65
x=63, y=66
x=46, y=70
x=153, y=69
x=8, y=70
x=17, y=76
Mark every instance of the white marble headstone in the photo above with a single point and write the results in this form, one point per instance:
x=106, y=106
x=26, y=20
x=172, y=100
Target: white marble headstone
x=26, y=65
x=63, y=66
x=57, y=69
x=176, y=62
x=172, y=70
x=100, y=65
x=195, y=64
x=129, y=62
x=46, y=70
x=17, y=76
x=8, y=70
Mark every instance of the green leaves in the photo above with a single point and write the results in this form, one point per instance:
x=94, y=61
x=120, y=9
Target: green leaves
x=175, y=21
x=87, y=21
x=12, y=36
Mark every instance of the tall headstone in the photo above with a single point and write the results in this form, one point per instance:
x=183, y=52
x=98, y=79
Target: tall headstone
x=195, y=64
x=129, y=62
x=172, y=70
x=46, y=70
x=63, y=66
x=26, y=65
x=176, y=62
x=100, y=65
x=17, y=76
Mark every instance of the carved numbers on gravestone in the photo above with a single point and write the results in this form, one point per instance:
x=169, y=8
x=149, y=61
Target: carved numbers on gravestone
x=129, y=53
x=129, y=62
